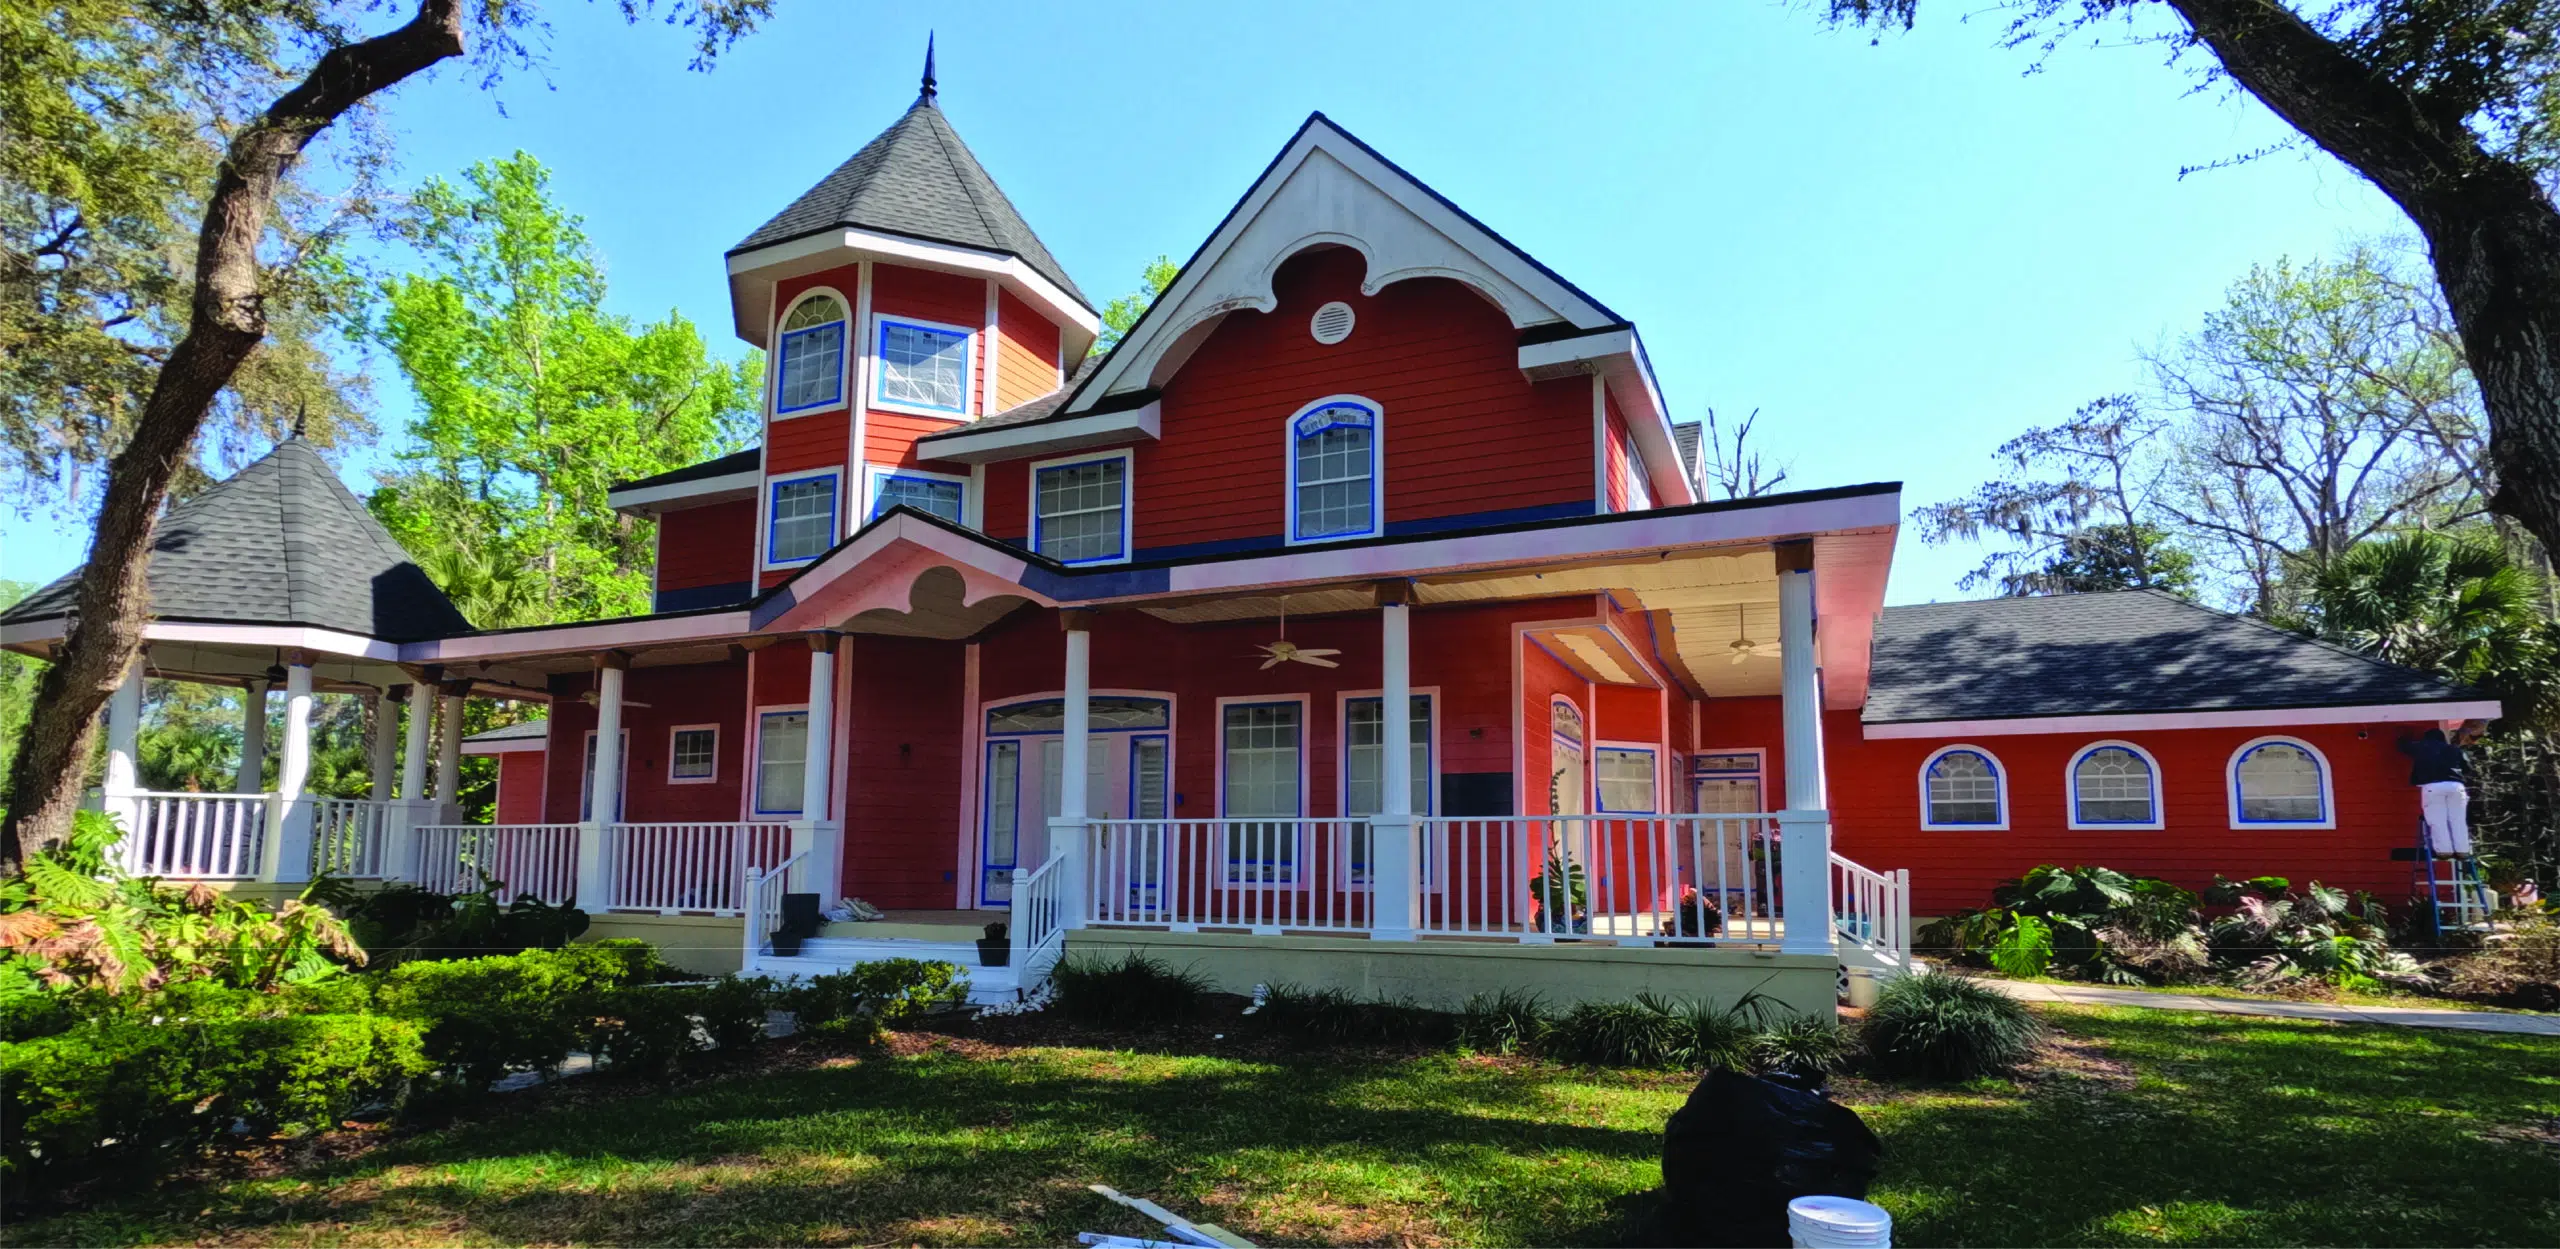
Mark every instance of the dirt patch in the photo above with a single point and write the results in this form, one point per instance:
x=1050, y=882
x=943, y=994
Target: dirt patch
x=2543, y=1132
x=2078, y=1062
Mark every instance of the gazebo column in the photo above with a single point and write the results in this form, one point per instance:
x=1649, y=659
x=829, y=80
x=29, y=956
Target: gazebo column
x=124, y=777
x=816, y=831
x=252, y=778
x=1393, y=862
x=1804, y=826
x=449, y=754
x=604, y=783
x=287, y=855
x=414, y=746
x=398, y=844
x=1068, y=834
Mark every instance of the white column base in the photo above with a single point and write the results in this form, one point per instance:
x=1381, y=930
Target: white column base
x=1804, y=890
x=821, y=842
x=591, y=880
x=286, y=857
x=1067, y=837
x=1394, y=864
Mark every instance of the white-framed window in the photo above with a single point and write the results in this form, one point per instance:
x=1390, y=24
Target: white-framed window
x=1626, y=779
x=1336, y=449
x=935, y=494
x=587, y=779
x=1364, y=770
x=1728, y=782
x=2280, y=782
x=1262, y=785
x=1080, y=508
x=2113, y=785
x=921, y=366
x=1565, y=770
x=782, y=759
x=693, y=754
x=799, y=517
x=1638, y=485
x=1964, y=787
x=808, y=367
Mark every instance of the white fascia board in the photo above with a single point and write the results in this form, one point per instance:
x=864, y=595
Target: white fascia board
x=1619, y=356
x=1636, y=532
x=282, y=637
x=1006, y=442
x=34, y=632
x=1562, y=356
x=505, y=746
x=651, y=499
x=751, y=316
x=602, y=635
x=2159, y=721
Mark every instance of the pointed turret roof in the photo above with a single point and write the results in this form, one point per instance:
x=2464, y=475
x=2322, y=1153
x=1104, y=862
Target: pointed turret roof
x=281, y=542
x=916, y=179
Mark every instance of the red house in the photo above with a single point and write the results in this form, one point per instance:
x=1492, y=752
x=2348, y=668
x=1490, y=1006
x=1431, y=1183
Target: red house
x=1359, y=618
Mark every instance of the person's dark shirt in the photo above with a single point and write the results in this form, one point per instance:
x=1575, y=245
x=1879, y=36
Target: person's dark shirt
x=2437, y=759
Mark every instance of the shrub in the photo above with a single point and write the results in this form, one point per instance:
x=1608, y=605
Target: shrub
x=1335, y=1017
x=402, y=922
x=486, y=1017
x=1645, y=1032
x=1503, y=1022
x=647, y=1029
x=2323, y=933
x=1807, y=1045
x=860, y=1001
x=1136, y=990
x=1945, y=1027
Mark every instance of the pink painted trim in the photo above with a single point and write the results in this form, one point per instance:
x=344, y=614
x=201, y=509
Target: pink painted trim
x=602, y=635
x=509, y=746
x=2155, y=721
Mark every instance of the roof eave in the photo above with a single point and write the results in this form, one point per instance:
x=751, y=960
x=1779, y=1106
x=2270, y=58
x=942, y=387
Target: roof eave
x=754, y=271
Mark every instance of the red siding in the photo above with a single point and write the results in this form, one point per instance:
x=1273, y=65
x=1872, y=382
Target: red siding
x=520, y=787
x=1544, y=678
x=1615, y=478
x=904, y=749
x=1028, y=347
x=1628, y=713
x=709, y=545
x=689, y=694
x=926, y=295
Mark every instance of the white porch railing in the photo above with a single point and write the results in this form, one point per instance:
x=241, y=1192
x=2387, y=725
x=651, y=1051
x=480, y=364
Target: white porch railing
x=348, y=835
x=1263, y=875
x=673, y=868
x=763, y=889
x=1039, y=928
x=1641, y=879
x=1872, y=909
x=528, y=860
x=192, y=836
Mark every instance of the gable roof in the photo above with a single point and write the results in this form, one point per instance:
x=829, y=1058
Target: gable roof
x=918, y=179
x=281, y=542
x=2125, y=652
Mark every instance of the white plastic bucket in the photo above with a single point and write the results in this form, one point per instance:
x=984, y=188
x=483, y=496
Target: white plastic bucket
x=1837, y=1223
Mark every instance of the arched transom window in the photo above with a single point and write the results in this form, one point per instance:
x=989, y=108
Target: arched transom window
x=810, y=373
x=2114, y=785
x=1333, y=470
x=2278, y=780
x=1960, y=787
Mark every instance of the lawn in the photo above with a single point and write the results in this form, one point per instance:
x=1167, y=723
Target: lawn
x=2140, y=1127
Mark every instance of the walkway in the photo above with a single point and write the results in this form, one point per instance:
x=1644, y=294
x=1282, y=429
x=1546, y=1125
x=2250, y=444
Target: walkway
x=2404, y=1016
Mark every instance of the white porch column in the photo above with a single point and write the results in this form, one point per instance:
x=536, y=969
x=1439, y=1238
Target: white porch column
x=816, y=831
x=399, y=848
x=124, y=776
x=386, y=742
x=604, y=783
x=413, y=757
x=1067, y=832
x=287, y=854
x=449, y=753
x=1804, y=827
x=252, y=778
x=1392, y=861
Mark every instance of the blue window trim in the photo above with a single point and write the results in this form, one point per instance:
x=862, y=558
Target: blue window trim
x=2000, y=783
x=835, y=394
x=1600, y=791
x=986, y=774
x=880, y=376
x=881, y=477
x=755, y=782
x=835, y=513
x=1297, y=876
x=2328, y=817
x=1291, y=436
x=987, y=866
x=1128, y=502
x=2071, y=788
x=1580, y=721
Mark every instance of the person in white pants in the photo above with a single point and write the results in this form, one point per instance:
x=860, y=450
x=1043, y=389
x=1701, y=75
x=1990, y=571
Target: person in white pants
x=2440, y=769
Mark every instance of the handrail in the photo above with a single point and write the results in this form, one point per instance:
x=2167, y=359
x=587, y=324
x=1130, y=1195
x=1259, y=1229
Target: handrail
x=763, y=912
x=1039, y=930
x=1872, y=908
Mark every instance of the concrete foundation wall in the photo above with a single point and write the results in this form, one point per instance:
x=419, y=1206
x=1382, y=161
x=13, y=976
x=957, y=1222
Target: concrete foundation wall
x=697, y=943
x=1445, y=973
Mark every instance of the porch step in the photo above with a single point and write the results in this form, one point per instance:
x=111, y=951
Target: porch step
x=988, y=986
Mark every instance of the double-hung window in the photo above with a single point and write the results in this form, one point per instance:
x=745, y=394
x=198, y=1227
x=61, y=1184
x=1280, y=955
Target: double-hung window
x=923, y=367
x=1364, y=772
x=800, y=518
x=1259, y=770
x=1080, y=509
x=810, y=372
x=782, y=758
x=930, y=493
x=1334, y=480
x=693, y=755
x=1626, y=778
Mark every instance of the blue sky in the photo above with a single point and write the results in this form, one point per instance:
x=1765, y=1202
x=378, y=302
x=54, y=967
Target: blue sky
x=1901, y=252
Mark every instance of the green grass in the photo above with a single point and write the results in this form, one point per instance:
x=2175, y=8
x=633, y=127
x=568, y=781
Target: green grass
x=2145, y=1127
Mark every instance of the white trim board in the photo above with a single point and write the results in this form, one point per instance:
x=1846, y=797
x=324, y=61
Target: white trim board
x=740, y=485
x=1005, y=442
x=2277, y=717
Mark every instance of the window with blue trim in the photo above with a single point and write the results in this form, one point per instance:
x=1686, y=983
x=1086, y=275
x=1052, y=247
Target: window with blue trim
x=810, y=373
x=924, y=366
x=2279, y=782
x=1626, y=779
x=1080, y=512
x=800, y=519
x=931, y=495
x=2112, y=785
x=1962, y=787
x=1333, y=471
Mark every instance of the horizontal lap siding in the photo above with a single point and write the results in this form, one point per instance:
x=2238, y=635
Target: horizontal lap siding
x=709, y=545
x=1543, y=679
x=925, y=295
x=1628, y=713
x=687, y=694
x=520, y=774
x=903, y=746
x=1027, y=353
x=890, y=438
x=1615, y=478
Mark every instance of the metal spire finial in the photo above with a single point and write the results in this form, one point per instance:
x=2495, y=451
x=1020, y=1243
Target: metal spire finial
x=929, y=89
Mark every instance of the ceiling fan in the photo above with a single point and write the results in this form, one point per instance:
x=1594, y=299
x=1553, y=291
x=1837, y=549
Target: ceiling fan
x=1742, y=647
x=1285, y=651
x=589, y=698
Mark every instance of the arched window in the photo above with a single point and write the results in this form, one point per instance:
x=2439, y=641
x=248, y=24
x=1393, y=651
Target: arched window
x=1962, y=787
x=2279, y=782
x=810, y=371
x=1334, y=477
x=1565, y=759
x=2114, y=785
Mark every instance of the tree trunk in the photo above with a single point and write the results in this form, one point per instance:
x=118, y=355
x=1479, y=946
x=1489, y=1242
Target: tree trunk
x=2493, y=234
x=226, y=323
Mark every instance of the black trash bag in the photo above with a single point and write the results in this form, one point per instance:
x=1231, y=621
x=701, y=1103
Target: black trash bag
x=1742, y=1148
x=800, y=921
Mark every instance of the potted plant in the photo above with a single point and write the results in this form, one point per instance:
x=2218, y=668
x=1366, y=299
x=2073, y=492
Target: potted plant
x=1697, y=914
x=995, y=949
x=1563, y=896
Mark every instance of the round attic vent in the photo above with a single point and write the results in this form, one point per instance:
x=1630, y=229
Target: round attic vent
x=1332, y=323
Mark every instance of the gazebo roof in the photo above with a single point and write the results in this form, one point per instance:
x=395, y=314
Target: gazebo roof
x=281, y=542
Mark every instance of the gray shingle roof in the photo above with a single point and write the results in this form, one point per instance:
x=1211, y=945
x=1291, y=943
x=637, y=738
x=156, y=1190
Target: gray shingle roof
x=2102, y=654
x=1686, y=435
x=281, y=542
x=917, y=179
x=1028, y=411
x=530, y=730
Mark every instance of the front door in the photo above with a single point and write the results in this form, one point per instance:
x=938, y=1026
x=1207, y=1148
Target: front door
x=1127, y=759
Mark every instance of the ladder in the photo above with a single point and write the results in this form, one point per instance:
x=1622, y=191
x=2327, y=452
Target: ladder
x=2450, y=887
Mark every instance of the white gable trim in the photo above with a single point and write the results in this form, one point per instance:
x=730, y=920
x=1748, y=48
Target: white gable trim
x=2276, y=717
x=752, y=274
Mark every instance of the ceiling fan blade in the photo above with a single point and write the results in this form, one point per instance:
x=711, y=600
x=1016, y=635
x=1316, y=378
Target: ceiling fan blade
x=1739, y=656
x=1306, y=658
x=1273, y=662
x=1319, y=650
